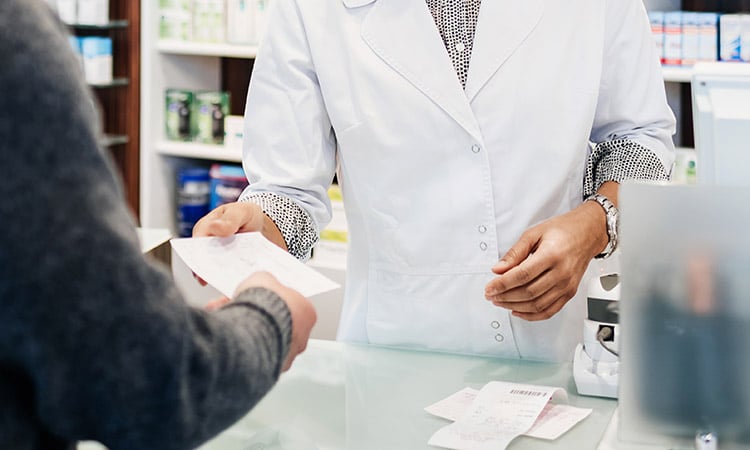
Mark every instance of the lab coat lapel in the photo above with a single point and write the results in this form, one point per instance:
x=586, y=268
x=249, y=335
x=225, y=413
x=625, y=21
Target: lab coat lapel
x=403, y=34
x=502, y=27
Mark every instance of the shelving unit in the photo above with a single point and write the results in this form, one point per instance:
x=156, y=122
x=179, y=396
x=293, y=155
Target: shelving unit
x=185, y=65
x=120, y=99
x=199, y=151
x=677, y=74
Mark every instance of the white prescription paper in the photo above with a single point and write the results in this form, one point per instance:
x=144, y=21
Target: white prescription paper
x=499, y=413
x=554, y=420
x=225, y=262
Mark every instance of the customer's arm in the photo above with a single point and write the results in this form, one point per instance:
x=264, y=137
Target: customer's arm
x=106, y=344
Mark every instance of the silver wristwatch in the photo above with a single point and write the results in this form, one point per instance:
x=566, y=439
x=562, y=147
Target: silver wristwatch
x=613, y=221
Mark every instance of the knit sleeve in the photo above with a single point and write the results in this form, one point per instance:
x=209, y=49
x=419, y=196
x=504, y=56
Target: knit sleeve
x=102, y=342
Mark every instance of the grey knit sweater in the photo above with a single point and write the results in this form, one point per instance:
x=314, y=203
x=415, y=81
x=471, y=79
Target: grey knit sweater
x=95, y=342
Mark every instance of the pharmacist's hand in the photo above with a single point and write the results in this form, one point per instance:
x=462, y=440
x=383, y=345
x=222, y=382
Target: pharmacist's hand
x=229, y=219
x=302, y=311
x=541, y=272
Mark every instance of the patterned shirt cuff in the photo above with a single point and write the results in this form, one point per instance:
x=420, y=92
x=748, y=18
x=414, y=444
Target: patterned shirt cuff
x=295, y=224
x=621, y=160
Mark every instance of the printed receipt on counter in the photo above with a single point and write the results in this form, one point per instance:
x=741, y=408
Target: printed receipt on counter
x=498, y=413
x=225, y=262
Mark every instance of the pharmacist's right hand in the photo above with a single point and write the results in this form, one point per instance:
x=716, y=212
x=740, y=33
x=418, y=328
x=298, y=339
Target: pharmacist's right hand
x=229, y=219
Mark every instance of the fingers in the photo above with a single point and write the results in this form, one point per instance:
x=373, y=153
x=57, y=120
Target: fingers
x=516, y=254
x=229, y=219
x=301, y=310
x=524, y=276
x=217, y=303
x=545, y=313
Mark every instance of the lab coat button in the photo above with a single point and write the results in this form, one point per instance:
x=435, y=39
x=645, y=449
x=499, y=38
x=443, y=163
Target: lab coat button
x=495, y=324
x=475, y=148
x=483, y=246
x=482, y=229
x=499, y=337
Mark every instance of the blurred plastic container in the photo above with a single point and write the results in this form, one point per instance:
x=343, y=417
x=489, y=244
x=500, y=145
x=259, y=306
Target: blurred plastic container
x=193, y=198
x=227, y=183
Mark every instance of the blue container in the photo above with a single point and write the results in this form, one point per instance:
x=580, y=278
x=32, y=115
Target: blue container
x=193, y=198
x=227, y=183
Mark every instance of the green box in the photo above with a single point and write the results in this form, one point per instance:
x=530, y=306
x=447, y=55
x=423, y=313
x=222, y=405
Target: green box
x=179, y=118
x=210, y=108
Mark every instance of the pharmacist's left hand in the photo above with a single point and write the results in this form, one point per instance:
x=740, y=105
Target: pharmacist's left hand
x=541, y=271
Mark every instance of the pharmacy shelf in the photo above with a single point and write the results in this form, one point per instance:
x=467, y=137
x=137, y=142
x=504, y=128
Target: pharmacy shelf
x=677, y=74
x=111, y=140
x=199, y=151
x=112, y=24
x=121, y=81
x=206, y=49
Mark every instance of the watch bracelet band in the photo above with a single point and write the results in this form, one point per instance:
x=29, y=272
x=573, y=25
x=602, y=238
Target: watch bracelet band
x=612, y=233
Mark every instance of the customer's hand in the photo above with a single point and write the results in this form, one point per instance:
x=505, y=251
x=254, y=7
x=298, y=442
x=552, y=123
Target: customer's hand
x=541, y=272
x=302, y=311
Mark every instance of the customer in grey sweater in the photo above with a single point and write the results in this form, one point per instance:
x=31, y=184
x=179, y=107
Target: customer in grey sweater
x=95, y=342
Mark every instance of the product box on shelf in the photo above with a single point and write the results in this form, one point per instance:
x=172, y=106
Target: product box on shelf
x=656, y=19
x=68, y=10
x=93, y=12
x=708, y=40
x=208, y=21
x=234, y=131
x=210, y=108
x=175, y=19
x=179, y=121
x=241, y=22
x=690, y=38
x=97, y=59
x=673, y=37
x=730, y=29
x=745, y=38
x=227, y=183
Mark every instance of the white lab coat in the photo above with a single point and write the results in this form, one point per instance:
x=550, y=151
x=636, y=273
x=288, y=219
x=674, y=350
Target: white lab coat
x=439, y=181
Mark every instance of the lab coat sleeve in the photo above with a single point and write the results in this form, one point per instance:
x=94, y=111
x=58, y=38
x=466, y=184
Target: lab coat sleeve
x=632, y=102
x=290, y=148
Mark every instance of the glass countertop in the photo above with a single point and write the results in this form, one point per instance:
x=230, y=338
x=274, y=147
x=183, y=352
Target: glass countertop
x=364, y=397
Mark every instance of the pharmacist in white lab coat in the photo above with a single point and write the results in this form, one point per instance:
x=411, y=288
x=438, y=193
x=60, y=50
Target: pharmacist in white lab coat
x=461, y=136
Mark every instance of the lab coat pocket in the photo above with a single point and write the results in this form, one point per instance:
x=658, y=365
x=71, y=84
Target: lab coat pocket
x=432, y=309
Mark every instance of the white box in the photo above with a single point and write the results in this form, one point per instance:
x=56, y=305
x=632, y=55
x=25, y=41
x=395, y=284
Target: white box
x=689, y=38
x=208, y=21
x=97, y=59
x=730, y=28
x=745, y=38
x=93, y=12
x=708, y=39
x=673, y=37
x=176, y=19
x=241, y=22
x=262, y=8
x=67, y=9
x=656, y=19
x=234, y=130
